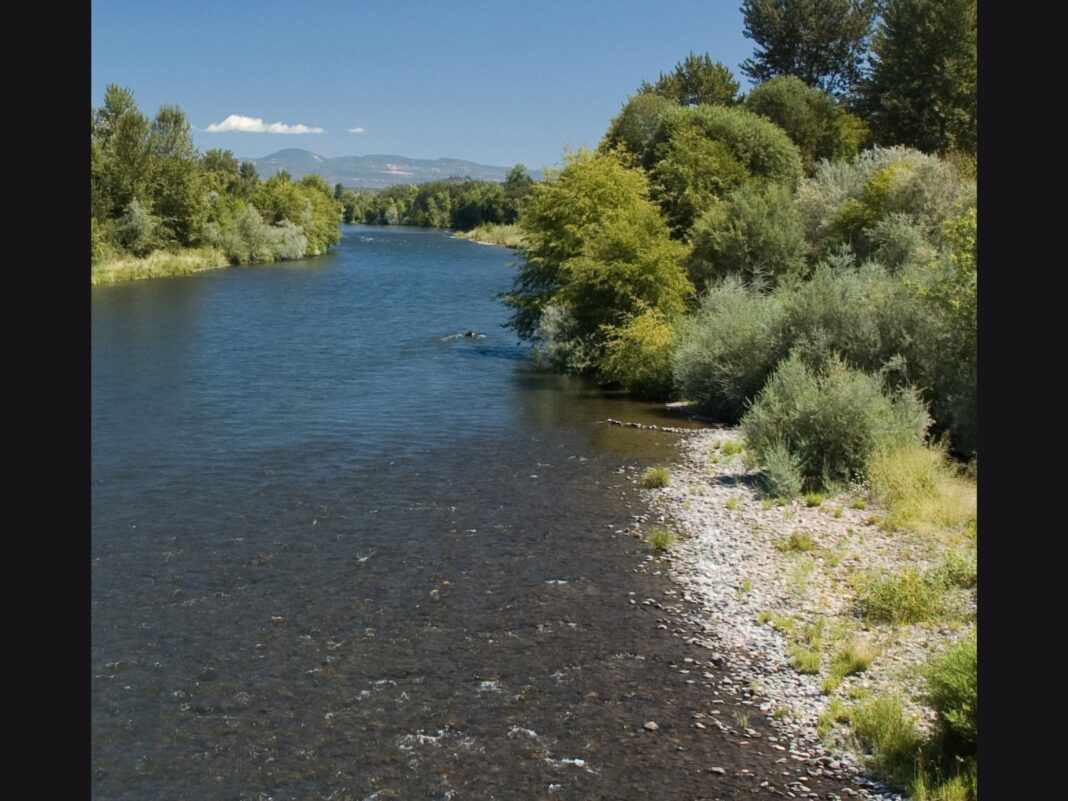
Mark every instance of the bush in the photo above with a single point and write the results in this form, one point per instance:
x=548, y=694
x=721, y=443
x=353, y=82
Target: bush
x=894, y=742
x=638, y=356
x=755, y=233
x=727, y=349
x=831, y=421
x=781, y=477
x=952, y=693
x=813, y=121
x=660, y=539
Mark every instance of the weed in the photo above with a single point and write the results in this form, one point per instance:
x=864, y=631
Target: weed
x=813, y=499
x=798, y=542
x=660, y=539
x=765, y=504
x=781, y=712
x=732, y=503
x=732, y=448
x=804, y=660
x=920, y=490
x=904, y=597
x=853, y=657
x=881, y=729
x=858, y=503
x=656, y=477
x=837, y=512
x=741, y=718
x=744, y=588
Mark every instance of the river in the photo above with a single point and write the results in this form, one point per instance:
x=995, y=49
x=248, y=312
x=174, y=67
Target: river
x=340, y=553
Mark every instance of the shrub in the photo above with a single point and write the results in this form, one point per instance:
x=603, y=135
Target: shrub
x=798, y=542
x=727, y=349
x=813, y=499
x=831, y=421
x=656, y=477
x=853, y=657
x=755, y=232
x=952, y=693
x=638, y=355
x=781, y=476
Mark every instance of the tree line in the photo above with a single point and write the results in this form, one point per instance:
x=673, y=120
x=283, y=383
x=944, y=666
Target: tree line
x=457, y=203
x=151, y=190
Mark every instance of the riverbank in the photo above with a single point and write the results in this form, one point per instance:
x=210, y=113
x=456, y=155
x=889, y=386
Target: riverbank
x=507, y=236
x=157, y=264
x=778, y=588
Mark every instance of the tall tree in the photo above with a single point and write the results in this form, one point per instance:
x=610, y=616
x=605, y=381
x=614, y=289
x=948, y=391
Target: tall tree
x=696, y=81
x=822, y=42
x=922, y=90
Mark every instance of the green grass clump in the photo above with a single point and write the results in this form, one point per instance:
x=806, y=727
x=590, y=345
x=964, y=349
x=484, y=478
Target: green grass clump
x=157, y=264
x=656, y=477
x=905, y=597
x=798, y=542
x=920, y=490
x=732, y=448
x=853, y=657
x=894, y=742
x=660, y=539
x=958, y=568
x=813, y=499
x=804, y=660
x=732, y=503
x=858, y=503
x=508, y=236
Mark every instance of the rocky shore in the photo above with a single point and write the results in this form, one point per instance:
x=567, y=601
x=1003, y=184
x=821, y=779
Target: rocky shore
x=738, y=579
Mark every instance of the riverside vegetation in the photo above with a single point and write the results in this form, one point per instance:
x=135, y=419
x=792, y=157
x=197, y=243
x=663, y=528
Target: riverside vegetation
x=801, y=263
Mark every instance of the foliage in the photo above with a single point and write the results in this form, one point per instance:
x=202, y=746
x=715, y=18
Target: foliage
x=893, y=740
x=137, y=229
x=697, y=154
x=728, y=348
x=781, y=476
x=696, y=81
x=908, y=596
x=755, y=232
x=922, y=91
x=822, y=42
x=597, y=250
x=952, y=692
x=830, y=419
x=633, y=128
x=638, y=355
x=920, y=491
x=819, y=127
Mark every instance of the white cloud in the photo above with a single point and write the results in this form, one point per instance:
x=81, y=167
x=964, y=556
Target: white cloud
x=355, y=130
x=235, y=122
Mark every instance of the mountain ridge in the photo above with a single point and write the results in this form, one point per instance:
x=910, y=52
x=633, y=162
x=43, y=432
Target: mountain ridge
x=373, y=171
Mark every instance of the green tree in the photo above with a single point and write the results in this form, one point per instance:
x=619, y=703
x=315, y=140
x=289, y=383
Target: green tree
x=699, y=154
x=696, y=81
x=598, y=254
x=923, y=86
x=822, y=42
x=517, y=188
x=819, y=127
x=634, y=126
x=178, y=194
x=122, y=134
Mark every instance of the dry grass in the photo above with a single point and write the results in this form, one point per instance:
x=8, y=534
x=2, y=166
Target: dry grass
x=157, y=264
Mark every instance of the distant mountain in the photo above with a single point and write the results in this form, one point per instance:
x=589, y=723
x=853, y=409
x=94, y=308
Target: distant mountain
x=373, y=172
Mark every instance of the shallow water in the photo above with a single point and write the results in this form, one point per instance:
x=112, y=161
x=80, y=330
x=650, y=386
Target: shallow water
x=340, y=553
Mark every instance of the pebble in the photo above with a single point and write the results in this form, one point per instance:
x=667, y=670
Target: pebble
x=651, y=725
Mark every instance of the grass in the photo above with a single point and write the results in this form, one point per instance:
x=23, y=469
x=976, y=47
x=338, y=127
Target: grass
x=858, y=503
x=731, y=448
x=732, y=503
x=908, y=596
x=813, y=499
x=853, y=657
x=804, y=660
x=921, y=491
x=157, y=265
x=656, y=477
x=507, y=236
x=797, y=580
x=881, y=729
x=765, y=504
x=797, y=542
x=744, y=588
x=741, y=718
x=660, y=539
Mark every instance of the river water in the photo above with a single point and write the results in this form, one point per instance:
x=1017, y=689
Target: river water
x=339, y=553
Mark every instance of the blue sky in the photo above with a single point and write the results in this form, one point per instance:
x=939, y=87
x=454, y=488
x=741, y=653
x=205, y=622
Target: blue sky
x=493, y=82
